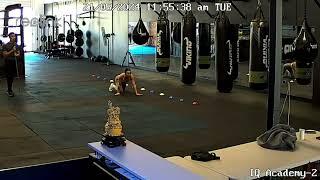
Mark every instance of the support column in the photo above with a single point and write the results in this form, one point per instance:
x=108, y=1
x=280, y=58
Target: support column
x=275, y=32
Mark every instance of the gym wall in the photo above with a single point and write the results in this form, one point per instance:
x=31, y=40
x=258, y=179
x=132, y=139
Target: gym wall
x=38, y=9
x=64, y=10
x=292, y=15
x=118, y=44
x=293, y=12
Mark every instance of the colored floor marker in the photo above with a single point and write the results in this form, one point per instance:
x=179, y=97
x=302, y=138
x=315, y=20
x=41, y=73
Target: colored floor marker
x=161, y=94
x=195, y=103
x=181, y=100
x=142, y=89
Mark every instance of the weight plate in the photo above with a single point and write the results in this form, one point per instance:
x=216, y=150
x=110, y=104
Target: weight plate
x=79, y=42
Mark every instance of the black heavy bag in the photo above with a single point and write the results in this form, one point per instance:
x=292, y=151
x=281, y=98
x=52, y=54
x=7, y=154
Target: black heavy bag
x=163, y=43
x=264, y=43
x=140, y=33
x=189, y=49
x=88, y=43
x=176, y=33
x=258, y=56
x=89, y=53
x=233, y=36
x=223, y=54
x=204, y=45
x=88, y=34
x=305, y=50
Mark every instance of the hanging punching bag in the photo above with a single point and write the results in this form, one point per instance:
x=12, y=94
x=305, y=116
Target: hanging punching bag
x=6, y=23
x=223, y=53
x=258, y=56
x=176, y=33
x=140, y=33
x=188, y=49
x=233, y=35
x=305, y=50
x=204, y=45
x=163, y=43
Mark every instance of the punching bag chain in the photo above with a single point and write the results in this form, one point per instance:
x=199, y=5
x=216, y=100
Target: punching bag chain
x=259, y=3
x=305, y=9
x=140, y=11
x=259, y=11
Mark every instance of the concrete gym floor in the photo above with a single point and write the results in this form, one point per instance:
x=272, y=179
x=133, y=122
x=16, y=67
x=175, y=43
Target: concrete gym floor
x=60, y=107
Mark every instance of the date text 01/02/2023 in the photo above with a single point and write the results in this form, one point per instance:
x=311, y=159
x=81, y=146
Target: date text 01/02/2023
x=111, y=7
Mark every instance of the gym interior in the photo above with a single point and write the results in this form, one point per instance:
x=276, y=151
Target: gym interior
x=148, y=89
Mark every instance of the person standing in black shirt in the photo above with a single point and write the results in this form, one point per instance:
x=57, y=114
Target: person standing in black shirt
x=11, y=53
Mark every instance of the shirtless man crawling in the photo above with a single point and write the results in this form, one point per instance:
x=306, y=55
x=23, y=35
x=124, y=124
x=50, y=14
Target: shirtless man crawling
x=290, y=68
x=121, y=81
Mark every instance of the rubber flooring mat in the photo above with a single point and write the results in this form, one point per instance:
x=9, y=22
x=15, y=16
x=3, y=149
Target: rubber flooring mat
x=86, y=91
x=81, y=112
x=141, y=120
x=94, y=122
x=52, y=115
x=62, y=106
x=65, y=92
x=55, y=127
x=52, y=96
x=70, y=139
x=23, y=145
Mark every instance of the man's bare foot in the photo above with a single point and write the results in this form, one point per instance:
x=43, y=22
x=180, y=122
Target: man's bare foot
x=138, y=94
x=117, y=94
